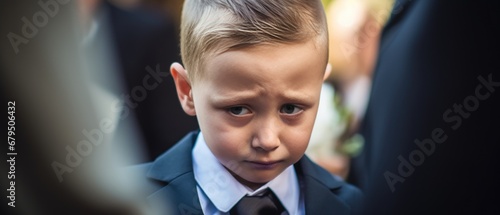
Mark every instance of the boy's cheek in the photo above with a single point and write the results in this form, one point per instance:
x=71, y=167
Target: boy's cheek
x=298, y=139
x=229, y=141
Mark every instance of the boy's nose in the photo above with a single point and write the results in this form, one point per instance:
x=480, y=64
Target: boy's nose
x=267, y=136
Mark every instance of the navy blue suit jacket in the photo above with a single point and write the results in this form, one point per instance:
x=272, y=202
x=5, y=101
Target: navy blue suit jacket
x=172, y=173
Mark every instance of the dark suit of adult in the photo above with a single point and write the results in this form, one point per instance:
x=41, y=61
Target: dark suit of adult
x=435, y=56
x=173, y=172
x=143, y=38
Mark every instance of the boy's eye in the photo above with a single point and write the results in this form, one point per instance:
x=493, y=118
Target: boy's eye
x=239, y=110
x=290, y=109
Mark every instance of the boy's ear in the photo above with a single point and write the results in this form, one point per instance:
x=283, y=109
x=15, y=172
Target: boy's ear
x=328, y=70
x=183, y=87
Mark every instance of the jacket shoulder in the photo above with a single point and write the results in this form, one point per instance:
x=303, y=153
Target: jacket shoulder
x=332, y=188
x=351, y=196
x=140, y=171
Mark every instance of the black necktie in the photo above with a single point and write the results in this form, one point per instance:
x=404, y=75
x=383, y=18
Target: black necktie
x=267, y=204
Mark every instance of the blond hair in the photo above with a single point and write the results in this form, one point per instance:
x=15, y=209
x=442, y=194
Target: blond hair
x=211, y=27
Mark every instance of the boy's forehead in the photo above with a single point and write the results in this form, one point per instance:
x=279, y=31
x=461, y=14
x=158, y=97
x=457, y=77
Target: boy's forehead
x=314, y=45
x=260, y=60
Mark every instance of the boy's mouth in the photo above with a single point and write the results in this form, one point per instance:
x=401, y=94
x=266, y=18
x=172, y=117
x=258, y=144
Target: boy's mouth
x=264, y=164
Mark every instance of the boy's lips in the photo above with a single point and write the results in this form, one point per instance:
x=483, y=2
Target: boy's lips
x=264, y=164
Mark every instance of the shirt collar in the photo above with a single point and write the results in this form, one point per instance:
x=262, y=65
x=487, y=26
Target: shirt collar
x=224, y=191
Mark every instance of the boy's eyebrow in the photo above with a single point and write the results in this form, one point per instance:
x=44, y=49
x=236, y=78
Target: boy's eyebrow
x=295, y=96
x=250, y=95
x=234, y=97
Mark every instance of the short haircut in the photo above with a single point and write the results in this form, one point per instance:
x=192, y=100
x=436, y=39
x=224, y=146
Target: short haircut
x=211, y=27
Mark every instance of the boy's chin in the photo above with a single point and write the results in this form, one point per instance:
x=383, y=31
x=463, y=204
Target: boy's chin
x=253, y=181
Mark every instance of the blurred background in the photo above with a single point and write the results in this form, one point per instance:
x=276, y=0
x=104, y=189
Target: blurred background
x=354, y=31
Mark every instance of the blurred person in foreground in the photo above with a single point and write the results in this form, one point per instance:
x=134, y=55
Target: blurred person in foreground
x=252, y=74
x=65, y=119
x=431, y=126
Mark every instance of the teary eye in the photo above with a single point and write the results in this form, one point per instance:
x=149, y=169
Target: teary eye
x=239, y=110
x=290, y=109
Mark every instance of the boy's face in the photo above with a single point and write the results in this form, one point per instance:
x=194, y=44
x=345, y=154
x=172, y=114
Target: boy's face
x=256, y=106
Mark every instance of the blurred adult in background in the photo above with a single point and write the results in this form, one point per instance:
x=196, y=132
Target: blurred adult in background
x=171, y=7
x=144, y=42
x=431, y=126
x=354, y=28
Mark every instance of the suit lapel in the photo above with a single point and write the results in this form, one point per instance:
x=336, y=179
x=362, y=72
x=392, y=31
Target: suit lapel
x=175, y=169
x=320, y=189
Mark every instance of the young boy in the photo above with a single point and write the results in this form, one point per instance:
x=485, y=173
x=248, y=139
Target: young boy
x=252, y=76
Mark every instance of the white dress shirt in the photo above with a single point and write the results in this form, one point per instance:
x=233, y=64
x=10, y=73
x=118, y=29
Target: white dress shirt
x=219, y=191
